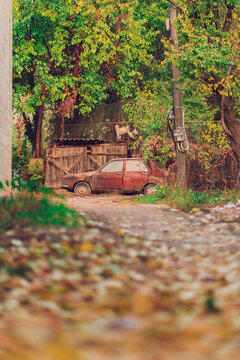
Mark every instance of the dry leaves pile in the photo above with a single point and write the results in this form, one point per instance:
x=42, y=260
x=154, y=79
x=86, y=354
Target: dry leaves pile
x=96, y=294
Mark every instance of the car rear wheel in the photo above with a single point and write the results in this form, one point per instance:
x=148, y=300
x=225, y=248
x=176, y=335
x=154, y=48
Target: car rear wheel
x=150, y=189
x=82, y=189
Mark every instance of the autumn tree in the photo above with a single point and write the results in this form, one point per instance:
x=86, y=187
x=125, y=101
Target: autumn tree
x=209, y=33
x=74, y=54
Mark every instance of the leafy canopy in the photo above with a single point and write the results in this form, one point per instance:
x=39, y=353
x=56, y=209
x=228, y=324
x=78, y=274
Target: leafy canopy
x=79, y=50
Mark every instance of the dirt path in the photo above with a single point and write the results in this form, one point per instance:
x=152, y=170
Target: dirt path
x=143, y=282
x=193, y=261
x=158, y=222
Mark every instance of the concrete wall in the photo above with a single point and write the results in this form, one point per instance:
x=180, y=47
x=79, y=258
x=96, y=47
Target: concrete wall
x=5, y=88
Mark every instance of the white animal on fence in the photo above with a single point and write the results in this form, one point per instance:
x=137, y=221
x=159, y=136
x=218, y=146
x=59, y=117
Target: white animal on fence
x=124, y=130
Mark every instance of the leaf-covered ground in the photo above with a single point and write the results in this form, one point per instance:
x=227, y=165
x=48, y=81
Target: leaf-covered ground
x=148, y=283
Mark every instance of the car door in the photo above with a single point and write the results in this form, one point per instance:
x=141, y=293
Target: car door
x=110, y=177
x=135, y=175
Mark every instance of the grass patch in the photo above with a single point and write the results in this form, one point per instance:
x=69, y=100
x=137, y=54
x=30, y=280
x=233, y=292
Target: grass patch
x=187, y=201
x=26, y=210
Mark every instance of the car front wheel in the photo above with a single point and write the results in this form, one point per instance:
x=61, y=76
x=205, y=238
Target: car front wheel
x=150, y=189
x=82, y=189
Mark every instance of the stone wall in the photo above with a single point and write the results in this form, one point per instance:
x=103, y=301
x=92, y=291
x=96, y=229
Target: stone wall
x=5, y=88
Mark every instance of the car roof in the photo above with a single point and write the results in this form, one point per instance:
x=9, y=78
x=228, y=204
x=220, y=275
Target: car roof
x=121, y=159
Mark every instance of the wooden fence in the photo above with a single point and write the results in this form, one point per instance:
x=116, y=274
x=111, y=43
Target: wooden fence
x=62, y=161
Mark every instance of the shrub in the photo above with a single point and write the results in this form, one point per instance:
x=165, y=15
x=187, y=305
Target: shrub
x=32, y=206
x=214, y=135
x=35, y=171
x=187, y=201
x=28, y=210
x=20, y=158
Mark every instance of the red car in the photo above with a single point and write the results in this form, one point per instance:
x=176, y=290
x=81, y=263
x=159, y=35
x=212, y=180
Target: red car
x=124, y=175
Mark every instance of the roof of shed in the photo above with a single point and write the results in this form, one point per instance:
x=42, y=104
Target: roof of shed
x=77, y=141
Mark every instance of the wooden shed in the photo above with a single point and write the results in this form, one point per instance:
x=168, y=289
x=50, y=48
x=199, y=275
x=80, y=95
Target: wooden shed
x=71, y=159
x=85, y=143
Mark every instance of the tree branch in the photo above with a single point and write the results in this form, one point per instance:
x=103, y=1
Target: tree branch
x=174, y=4
x=217, y=18
x=233, y=58
x=224, y=126
x=228, y=19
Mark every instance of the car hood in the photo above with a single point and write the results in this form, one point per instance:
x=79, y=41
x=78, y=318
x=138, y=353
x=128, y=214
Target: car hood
x=80, y=175
x=87, y=173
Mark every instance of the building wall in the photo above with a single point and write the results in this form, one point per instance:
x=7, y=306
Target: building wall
x=5, y=88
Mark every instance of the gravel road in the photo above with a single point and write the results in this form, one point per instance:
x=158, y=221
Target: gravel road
x=143, y=282
x=159, y=222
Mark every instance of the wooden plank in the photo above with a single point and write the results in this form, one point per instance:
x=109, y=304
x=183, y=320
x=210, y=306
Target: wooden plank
x=47, y=177
x=61, y=161
x=58, y=166
x=94, y=160
x=76, y=163
x=108, y=153
x=66, y=151
x=61, y=156
x=52, y=175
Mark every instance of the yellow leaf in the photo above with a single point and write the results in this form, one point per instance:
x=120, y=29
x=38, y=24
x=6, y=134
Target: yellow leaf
x=86, y=247
x=142, y=303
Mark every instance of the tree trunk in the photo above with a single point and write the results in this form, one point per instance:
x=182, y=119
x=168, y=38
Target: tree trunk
x=232, y=123
x=177, y=105
x=38, y=130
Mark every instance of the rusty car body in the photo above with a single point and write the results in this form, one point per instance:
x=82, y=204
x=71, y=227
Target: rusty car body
x=125, y=175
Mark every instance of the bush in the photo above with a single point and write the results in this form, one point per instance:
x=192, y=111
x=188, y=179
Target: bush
x=35, y=171
x=191, y=199
x=20, y=159
x=28, y=210
x=32, y=206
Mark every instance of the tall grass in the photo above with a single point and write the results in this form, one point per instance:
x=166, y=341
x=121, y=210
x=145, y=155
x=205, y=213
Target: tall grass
x=32, y=205
x=25, y=210
x=186, y=201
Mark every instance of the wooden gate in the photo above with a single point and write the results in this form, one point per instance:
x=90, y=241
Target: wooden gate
x=62, y=161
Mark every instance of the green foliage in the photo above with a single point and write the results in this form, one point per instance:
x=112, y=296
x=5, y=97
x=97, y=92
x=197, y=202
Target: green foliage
x=73, y=56
x=147, y=113
x=210, y=303
x=76, y=50
x=28, y=210
x=190, y=200
x=21, y=153
x=148, y=110
x=208, y=34
x=35, y=171
x=163, y=192
x=186, y=201
x=175, y=195
x=30, y=187
x=213, y=135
